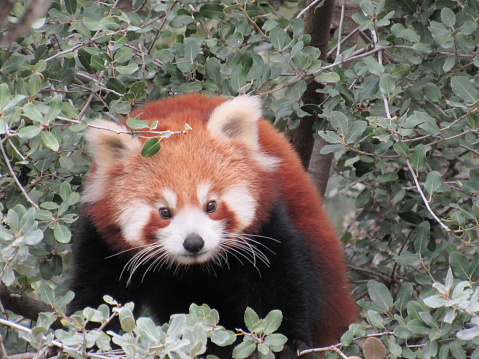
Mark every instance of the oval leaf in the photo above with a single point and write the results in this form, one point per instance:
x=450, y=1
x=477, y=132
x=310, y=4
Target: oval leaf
x=150, y=147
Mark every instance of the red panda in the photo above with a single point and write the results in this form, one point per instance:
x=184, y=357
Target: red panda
x=223, y=215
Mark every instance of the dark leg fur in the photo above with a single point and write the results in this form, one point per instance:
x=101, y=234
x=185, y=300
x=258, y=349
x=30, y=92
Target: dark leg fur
x=290, y=283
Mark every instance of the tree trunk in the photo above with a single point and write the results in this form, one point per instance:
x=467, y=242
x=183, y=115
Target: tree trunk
x=317, y=23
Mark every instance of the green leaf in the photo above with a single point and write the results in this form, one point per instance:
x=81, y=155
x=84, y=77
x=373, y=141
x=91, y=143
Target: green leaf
x=56, y=265
x=400, y=71
x=238, y=78
x=212, y=69
x=123, y=55
x=71, y=6
x=432, y=92
x=177, y=326
x=50, y=141
x=34, y=84
x=4, y=95
x=459, y=265
x=380, y=295
x=339, y=121
x=138, y=89
x=65, y=190
x=191, y=50
x=46, y=294
x=423, y=237
x=463, y=87
x=116, y=85
x=417, y=326
x=327, y=77
x=13, y=63
x=273, y=320
x=127, y=321
x=129, y=69
x=433, y=182
x=150, y=147
x=244, y=349
x=329, y=136
x=85, y=59
x=54, y=109
x=364, y=198
x=448, y=17
x=423, y=48
x=404, y=296
x=31, y=111
x=374, y=349
x=278, y=38
x=355, y=131
x=29, y=132
x=275, y=341
x=418, y=158
x=368, y=7
x=250, y=319
x=33, y=237
x=136, y=124
x=98, y=62
x=212, y=11
x=387, y=84
x=8, y=276
x=468, y=334
x=62, y=233
x=401, y=148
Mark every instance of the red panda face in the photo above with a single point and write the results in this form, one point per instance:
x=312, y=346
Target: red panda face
x=193, y=200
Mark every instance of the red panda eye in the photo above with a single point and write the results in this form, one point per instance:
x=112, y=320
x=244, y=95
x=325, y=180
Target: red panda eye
x=165, y=213
x=211, y=206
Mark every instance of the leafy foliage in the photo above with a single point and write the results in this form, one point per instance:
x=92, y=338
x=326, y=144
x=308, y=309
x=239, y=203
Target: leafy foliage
x=400, y=114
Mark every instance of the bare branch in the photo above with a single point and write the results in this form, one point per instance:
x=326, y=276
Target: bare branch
x=12, y=172
x=22, y=304
x=6, y=6
x=424, y=199
x=35, y=10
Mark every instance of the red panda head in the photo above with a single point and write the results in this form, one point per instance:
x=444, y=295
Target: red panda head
x=192, y=201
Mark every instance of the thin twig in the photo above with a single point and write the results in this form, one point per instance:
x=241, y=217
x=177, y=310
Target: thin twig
x=127, y=132
x=340, y=29
x=12, y=172
x=334, y=348
x=424, y=199
x=314, y=3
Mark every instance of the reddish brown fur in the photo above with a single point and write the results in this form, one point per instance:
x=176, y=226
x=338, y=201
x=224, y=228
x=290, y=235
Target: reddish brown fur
x=305, y=206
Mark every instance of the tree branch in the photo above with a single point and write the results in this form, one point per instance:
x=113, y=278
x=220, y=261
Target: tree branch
x=317, y=22
x=22, y=304
x=35, y=10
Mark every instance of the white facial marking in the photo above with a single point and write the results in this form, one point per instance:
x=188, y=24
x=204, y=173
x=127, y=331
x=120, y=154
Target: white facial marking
x=170, y=198
x=202, y=193
x=132, y=220
x=267, y=162
x=242, y=203
x=191, y=220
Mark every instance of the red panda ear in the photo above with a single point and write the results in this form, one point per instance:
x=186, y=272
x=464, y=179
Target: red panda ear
x=237, y=119
x=107, y=147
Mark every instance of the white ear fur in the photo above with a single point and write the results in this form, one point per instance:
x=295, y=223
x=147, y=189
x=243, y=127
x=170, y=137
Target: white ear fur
x=109, y=146
x=238, y=119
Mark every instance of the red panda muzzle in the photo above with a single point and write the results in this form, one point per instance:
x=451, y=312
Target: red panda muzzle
x=223, y=215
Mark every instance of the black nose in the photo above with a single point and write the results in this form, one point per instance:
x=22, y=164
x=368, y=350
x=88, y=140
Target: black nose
x=193, y=243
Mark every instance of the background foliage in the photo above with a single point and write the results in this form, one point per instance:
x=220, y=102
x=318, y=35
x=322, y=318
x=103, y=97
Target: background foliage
x=400, y=114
